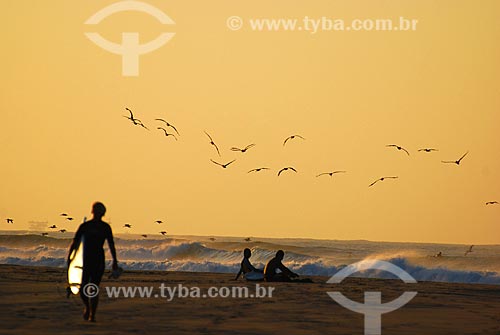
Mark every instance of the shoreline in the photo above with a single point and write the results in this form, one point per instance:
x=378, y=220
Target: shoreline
x=34, y=302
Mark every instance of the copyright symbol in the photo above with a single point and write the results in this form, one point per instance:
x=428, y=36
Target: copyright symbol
x=234, y=22
x=91, y=290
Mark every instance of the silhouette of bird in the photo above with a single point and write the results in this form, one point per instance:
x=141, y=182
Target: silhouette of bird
x=169, y=125
x=163, y=233
x=381, y=179
x=248, y=239
x=492, y=203
x=135, y=121
x=69, y=219
x=398, y=147
x=158, y=221
x=213, y=143
x=291, y=138
x=428, y=149
x=457, y=161
x=126, y=225
x=9, y=220
x=45, y=234
x=63, y=230
x=166, y=133
x=53, y=226
x=330, y=173
x=144, y=235
x=285, y=169
x=258, y=169
x=468, y=250
x=212, y=238
x=63, y=214
x=223, y=165
x=244, y=149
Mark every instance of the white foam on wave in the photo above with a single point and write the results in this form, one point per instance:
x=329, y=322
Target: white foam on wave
x=198, y=256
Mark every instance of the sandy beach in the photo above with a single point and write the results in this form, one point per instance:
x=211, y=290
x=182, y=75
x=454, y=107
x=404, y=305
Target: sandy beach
x=34, y=302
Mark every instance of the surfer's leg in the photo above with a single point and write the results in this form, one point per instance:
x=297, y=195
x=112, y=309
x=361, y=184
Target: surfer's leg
x=85, y=299
x=93, y=308
x=96, y=279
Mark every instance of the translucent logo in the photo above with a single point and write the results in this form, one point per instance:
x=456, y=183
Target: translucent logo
x=130, y=49
x=372, y=308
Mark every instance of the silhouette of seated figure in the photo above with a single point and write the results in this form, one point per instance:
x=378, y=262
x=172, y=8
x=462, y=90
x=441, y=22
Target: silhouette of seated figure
x=247, y=269
x=270, y=271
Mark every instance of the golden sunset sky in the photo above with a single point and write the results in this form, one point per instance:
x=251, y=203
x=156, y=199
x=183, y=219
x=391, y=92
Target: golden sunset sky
x=65, y=143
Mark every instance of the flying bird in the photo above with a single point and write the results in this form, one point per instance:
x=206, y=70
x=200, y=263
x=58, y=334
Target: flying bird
x=63, y=230
x=258, y=169
x=223, y=165
x=285, y=169
x=9, y=220
x=244, y=149
x=457, y=161
x=158, y=221
x=469, y=250
x=144, y=235
x=126, y=225
x=169, y=125
x=63, y=214
x=492, y=203
x=330, y=173
x=398, y=147
x=213, y=143
x=212, y=238
x=53, y=226
x=428, y=149
x=248, y=239
x=381, y=179
x=166, y=133
x=69, y=219
x=291, y=138
x=163, y=233
x=135, y=121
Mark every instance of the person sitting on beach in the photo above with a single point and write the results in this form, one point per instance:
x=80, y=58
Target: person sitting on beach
x=94, y=233
x=270, y=271
x=247, y=269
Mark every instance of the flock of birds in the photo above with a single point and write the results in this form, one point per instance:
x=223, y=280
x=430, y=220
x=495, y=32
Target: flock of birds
x=137, y=122
x=169, y=130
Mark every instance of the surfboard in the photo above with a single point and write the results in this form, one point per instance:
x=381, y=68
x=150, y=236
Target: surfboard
x=75, y=268
x=254, y=276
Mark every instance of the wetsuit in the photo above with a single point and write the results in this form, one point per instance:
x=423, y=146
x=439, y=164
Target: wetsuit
x=95, y=232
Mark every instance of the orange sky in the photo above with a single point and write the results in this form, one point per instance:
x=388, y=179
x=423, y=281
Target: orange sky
x=65, y=144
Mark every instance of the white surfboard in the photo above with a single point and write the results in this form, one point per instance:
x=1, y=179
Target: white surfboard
x=254, y=276
x=75, y=268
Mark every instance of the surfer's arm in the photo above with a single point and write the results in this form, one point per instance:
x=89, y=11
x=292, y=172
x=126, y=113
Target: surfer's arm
x=287, y=271
x=111, y=244
x=238, y=275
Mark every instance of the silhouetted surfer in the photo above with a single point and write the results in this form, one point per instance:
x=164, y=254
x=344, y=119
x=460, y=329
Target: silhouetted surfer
x=94, y=233
x=270, y=271
x=247, y=269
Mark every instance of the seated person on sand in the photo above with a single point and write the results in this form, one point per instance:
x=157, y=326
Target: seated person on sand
x=274, y=264
x=247, y=269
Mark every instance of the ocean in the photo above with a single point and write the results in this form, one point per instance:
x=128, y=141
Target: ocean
x=307, y=257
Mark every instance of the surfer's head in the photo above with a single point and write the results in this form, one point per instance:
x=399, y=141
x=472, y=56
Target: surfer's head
x=280, y=255
x=98, y=209
x=247, y=253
